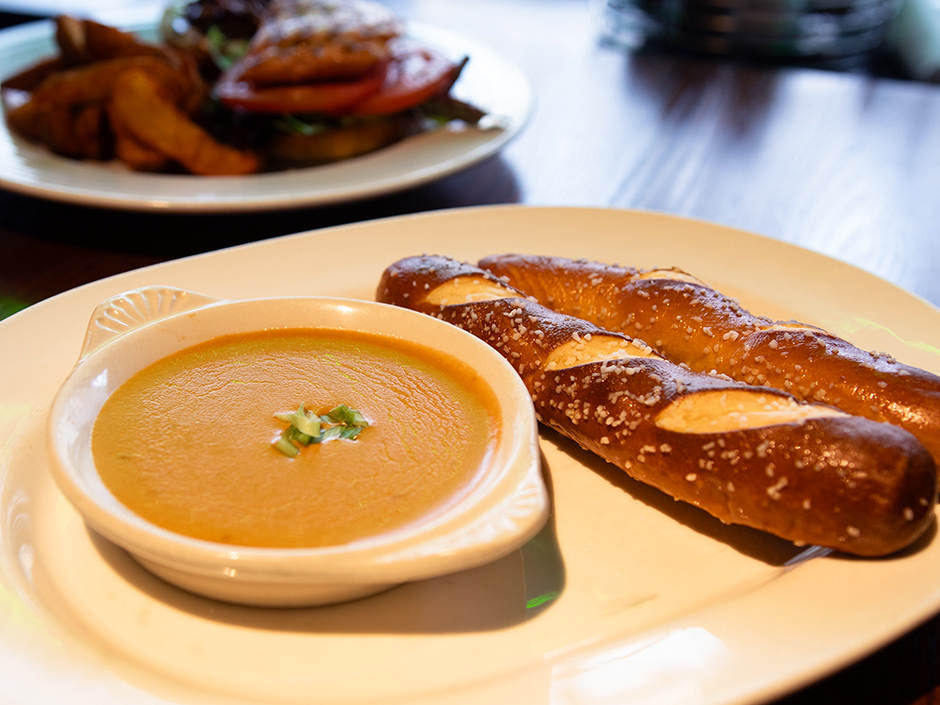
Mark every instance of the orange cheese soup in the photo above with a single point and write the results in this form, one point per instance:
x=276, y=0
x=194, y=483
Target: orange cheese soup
x=187, y=442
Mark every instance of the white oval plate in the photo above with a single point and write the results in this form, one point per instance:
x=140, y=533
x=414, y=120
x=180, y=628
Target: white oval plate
x=625, y=596
x=488, y=81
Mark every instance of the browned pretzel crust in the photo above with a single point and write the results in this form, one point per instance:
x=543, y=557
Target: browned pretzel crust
x=747, y=455
x=693, y=324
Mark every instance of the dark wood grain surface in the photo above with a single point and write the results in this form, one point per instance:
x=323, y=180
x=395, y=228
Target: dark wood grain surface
x=844, y=163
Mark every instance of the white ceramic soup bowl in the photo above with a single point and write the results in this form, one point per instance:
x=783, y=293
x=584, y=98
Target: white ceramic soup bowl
x=127, y=333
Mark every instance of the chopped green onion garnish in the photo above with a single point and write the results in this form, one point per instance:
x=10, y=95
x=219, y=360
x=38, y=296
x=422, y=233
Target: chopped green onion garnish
x=286, y=447
x=342, y=414
x=303, y=438
x=330, y=433
x=302, y=420
x=306, y=428
x=350, y=432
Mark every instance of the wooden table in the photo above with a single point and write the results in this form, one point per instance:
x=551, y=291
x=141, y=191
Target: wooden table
x=846, y=164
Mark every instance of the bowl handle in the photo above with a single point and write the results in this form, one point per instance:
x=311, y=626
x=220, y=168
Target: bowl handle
x=123, y=313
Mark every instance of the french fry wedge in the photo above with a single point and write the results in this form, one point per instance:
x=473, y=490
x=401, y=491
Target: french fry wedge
x=70, y=38
x=64, y=129
x=94, y=82
x=88, y=131
x=138, y=103
x=84, y=42
x=130, y=150
x=103, y=42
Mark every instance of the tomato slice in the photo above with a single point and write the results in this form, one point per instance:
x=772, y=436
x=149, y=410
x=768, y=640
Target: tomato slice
x=415, y=75
x=328, y=98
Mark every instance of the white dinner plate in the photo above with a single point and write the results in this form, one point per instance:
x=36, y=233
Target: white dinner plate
x=488, y=82
x=625, y=596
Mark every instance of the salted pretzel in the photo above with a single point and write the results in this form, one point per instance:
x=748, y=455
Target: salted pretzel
x=691, y=323
x=747, y=455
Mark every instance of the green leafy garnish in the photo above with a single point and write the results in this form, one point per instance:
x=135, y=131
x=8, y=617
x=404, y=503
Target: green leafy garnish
x=305, y=428
x=224, y=51
x=293, y=125
x=443, y=109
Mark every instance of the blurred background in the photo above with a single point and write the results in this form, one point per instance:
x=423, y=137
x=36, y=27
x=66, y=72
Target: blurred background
x=894, y=38
x=884, y=36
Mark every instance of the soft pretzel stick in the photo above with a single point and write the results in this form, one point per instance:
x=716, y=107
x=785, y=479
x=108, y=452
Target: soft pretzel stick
x=690, y=323
x=748, y=455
